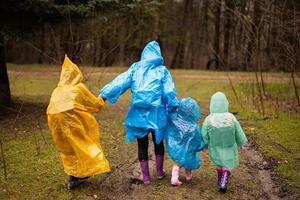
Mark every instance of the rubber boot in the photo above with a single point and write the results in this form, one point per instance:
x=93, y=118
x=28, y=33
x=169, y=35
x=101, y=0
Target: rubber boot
x=160, y=172
x=145, y=171
x=73, y=182
x=188, y=174
x=175, y=176
x=224, y=180
x=219, y=172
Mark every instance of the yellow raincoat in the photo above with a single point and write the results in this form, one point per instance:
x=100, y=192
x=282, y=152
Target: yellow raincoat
x=74, y=129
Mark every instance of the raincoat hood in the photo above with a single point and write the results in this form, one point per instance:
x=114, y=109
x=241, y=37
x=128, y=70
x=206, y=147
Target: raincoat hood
x=70, y=74
x=152, y=54
x=189, y=109
x=218, y=103
x=71, y=93
x=183, y=136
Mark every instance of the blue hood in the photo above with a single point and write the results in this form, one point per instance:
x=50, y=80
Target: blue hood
x=152, y=54
x=189, y=110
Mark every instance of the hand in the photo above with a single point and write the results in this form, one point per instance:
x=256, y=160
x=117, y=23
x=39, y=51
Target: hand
x=242, y=147
x=173, y=109
x=101, y=97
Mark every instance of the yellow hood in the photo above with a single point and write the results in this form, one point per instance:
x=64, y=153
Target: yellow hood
x=70, y=73
x=71, y=93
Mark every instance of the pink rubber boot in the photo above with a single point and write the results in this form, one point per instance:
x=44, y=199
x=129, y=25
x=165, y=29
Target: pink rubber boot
x=175, y=176
x=188, y=174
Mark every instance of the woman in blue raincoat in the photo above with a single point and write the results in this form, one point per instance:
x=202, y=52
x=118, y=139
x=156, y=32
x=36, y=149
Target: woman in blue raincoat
x=153, y=95
x=184, y=139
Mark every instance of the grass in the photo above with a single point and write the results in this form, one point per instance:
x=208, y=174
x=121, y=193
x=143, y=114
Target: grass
x=279, y=139
x=38, y=174
x=278, y=134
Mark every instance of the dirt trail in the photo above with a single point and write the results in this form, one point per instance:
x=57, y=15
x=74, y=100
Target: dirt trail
x=261, y=172
x=98, y=75
x=251, y=180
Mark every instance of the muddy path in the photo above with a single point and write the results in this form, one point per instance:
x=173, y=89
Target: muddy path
x=251, y=180
x=99, y=75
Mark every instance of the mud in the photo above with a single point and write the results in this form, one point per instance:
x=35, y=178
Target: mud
x=261, y=172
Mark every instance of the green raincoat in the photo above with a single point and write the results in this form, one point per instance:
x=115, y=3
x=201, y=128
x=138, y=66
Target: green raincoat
x=223, y=133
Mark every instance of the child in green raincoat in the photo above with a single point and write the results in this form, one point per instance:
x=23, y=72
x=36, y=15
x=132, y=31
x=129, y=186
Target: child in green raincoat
x=223, y=134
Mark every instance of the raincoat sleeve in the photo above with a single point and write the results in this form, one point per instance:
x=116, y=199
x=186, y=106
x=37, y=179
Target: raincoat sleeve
x=240, y=136
x=200, y=144
x=117, y=87
x=169, y=92
x=90, y=102
x=205, y=131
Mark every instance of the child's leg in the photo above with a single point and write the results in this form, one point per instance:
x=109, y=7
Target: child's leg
x=143, y=148
x=159, y=151
x=175, y=176
x=143, y=158
x=188, y=174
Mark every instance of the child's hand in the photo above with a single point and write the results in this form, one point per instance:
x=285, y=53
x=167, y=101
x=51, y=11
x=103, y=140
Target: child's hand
x=174, y=109
x=242, y=147
x=101, y=97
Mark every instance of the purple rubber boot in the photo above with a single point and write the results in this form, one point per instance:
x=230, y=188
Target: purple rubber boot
x=219, y=171
x=160, y=172
x=145, y=171
x=224, y=180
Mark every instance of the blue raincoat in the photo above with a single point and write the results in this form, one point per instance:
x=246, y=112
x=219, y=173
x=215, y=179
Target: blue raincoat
x=184, y=139
x=153, y=94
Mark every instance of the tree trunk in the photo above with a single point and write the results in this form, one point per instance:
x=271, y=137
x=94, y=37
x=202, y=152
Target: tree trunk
x=175, y=57
x=121, y=41
x=255, y=32
x=5, y=97
x=217, y=34
x=180, y=47
x=227, y=26
x=42, y=44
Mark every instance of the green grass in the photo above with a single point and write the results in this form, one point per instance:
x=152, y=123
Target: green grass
x=278, y=134
x=41, y=176
x=279, y=139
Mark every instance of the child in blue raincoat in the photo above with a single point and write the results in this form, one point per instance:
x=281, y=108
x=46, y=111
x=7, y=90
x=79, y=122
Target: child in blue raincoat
x=153, y=95
x=223, y=134
x=184, y=139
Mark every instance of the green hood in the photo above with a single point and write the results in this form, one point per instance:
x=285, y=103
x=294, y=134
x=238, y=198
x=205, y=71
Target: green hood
x=218, y=103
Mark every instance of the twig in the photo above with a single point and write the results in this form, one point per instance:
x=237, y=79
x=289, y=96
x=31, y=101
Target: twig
x=36, y=144
x=18, y=114
x=234, y=91
x=3, y=159
x=260, y=95
x=43, y=53
x=295, y=87
x=40, y=127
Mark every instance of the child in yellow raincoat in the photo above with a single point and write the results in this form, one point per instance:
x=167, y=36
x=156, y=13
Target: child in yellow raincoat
x=74, y=129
